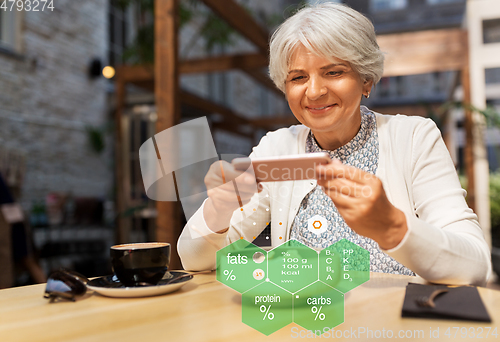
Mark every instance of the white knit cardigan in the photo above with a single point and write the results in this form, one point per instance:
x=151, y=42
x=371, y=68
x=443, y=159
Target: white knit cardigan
x=444, y=242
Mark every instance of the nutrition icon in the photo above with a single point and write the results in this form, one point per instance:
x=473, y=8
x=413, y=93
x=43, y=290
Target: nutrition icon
x=292, y=282
x=241, y=265
x=317, y=224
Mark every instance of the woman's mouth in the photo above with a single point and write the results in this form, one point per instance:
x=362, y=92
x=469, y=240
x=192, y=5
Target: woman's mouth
x=319, y=109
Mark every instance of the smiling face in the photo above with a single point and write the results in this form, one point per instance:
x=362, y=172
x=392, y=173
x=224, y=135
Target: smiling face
x=325, y=95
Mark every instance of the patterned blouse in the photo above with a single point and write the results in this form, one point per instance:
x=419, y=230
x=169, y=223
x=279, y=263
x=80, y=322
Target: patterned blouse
x=361, y=152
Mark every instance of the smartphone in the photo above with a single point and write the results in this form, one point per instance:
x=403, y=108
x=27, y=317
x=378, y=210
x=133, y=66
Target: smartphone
x=283, y=168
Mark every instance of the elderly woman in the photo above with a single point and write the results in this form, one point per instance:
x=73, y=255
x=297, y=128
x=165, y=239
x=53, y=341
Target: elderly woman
x=391, y=188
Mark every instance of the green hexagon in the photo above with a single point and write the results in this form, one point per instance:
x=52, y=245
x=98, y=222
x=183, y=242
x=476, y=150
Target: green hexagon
x=329, y=266
x=266, y=308
x=318, y=308
x=354, y=265
x=241, y=265
x=293, y=265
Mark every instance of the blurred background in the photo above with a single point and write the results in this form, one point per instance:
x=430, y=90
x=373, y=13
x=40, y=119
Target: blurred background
x=84, y=83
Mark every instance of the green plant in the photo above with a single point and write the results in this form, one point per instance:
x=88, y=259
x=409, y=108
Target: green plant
x=490, y=113
x=141, y=51
x=495, y=200
x=95, y=137
x=463, y=181
x=214, y=31
x=492, y=120
x=131, y=211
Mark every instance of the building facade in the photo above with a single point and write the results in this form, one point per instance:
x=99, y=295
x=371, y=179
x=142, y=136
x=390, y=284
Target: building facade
x=49, y=101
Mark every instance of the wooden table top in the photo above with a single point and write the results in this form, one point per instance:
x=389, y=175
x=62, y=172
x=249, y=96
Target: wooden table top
x=206, y=310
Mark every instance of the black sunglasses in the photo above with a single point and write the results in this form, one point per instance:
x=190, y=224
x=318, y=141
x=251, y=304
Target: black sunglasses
x=65, y=284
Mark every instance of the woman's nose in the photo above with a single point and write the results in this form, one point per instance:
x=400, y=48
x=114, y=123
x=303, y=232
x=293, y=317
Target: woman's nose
x=315, y=89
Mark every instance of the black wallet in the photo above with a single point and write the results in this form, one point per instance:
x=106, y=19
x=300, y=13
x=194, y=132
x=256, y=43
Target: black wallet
x=458, y=303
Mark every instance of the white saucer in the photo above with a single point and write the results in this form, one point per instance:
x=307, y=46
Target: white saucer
x=110, y=286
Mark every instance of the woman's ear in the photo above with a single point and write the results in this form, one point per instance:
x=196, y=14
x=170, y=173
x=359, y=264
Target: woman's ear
x=367, y=86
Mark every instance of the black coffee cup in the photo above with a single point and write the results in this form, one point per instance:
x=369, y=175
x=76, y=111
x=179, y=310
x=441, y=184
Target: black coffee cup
x=136, y=264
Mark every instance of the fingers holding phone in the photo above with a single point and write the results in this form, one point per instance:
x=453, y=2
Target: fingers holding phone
x=360, y=198
x=229, y=188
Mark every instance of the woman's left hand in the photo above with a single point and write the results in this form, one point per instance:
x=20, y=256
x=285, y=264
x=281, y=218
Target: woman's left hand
x=361, y=200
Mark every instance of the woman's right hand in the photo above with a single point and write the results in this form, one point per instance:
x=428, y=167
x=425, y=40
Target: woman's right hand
x=228, y=189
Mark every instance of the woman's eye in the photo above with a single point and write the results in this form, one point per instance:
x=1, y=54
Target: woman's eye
x=335, y=73
x=297, y=78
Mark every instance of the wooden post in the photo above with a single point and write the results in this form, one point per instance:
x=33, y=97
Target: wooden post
x=469, y=140
x=6, y=262
x=168, y=108
x=122, y=234
x=242, y=21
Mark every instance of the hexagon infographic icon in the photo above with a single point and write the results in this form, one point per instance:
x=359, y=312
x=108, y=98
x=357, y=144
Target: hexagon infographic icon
x=266, y=308
x=354, y=265
x=293, y=281
x=329, y=266
x=241, y=265
x=317, y=224
x=318, y=308
x=293, y=265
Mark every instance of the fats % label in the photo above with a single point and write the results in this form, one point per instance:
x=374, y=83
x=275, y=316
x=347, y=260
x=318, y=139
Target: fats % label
x=229, y=275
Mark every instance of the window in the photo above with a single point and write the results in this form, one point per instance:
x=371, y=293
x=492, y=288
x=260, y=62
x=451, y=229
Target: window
x=492, y=75
x=385, y=87
x=491, y=31
x=387, y=5
x=9, y=30
x=321, y=1
x=119, y=21
x=436, y=2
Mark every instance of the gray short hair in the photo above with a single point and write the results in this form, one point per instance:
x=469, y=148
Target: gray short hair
x=328, y=29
